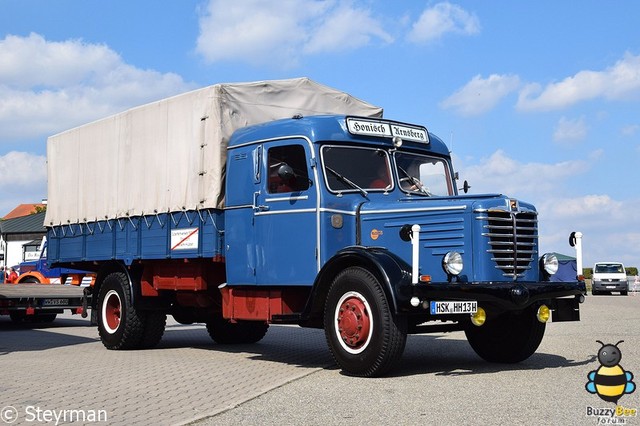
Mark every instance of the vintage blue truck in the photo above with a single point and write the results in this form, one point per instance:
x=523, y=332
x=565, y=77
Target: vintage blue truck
x=288, y=202
x=40, y=293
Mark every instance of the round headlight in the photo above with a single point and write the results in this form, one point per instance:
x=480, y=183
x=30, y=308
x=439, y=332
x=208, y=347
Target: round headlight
x=550, y=263
x=452, y=263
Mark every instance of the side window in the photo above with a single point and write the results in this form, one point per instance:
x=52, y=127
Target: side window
x=278, y=158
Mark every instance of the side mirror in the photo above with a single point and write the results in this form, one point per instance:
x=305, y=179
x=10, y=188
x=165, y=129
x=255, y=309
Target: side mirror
x=465, y=187
x=286, y=172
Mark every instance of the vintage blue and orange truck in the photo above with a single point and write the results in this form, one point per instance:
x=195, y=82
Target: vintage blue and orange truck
x=289, y=202
x=40, y=293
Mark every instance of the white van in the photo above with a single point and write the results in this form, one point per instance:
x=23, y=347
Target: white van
x=608, y=277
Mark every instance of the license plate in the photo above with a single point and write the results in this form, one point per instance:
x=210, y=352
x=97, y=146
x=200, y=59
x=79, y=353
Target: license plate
x=55, y=302
x=611, y=286
x=440, y=308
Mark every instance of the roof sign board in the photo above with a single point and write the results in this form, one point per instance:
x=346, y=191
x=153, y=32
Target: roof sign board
x=387, y=129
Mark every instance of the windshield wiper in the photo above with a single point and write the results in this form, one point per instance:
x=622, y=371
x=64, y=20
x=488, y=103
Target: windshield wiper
x=346, y=181
x=420, y=188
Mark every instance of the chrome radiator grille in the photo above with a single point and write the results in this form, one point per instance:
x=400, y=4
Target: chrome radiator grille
x=513, y=238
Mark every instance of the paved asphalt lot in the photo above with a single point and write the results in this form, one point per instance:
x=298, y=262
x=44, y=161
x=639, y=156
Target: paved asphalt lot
x=289, y=379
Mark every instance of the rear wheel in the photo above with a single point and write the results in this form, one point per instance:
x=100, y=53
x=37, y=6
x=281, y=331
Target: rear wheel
x=224, y=331
x=154, y=326
x=19, y=317
x=119, y=324
x=512, y=337
x=364, y=336
x=44, y=317
x=30, y=280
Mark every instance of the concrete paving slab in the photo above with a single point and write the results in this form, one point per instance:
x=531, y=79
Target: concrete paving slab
x=64, y=366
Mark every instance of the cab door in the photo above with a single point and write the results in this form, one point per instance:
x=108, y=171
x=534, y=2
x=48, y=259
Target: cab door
x=286, y=215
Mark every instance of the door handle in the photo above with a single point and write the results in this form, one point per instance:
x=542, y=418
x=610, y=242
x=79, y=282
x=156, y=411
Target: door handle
x=256, y=207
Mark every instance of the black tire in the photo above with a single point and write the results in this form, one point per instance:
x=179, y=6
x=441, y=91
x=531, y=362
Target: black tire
x=364, y=336
x=509, y=338
x=44, y=318
x=119, y=324
x=93, y=317
x=154, y=325
x=30, y=280
x=21, y=317
x=18, y=317
x=624, y=293
x=225, y=332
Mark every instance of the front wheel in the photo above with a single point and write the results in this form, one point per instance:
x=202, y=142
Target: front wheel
x=509, y=338
x=365, y=337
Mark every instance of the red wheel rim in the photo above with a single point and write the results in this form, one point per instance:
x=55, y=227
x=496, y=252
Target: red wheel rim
x=112, y=311
x=353, y=322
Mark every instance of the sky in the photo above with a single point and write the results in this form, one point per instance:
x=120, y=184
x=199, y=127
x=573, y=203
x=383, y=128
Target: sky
x=536, y=100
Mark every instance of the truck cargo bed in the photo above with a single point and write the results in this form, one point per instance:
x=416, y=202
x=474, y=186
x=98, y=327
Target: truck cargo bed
x=20, y=291
x=40, y=297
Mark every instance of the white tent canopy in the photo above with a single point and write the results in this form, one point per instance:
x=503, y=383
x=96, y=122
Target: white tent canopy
x=170, y=155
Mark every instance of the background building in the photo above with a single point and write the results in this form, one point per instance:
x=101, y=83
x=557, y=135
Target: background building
x=20, y=237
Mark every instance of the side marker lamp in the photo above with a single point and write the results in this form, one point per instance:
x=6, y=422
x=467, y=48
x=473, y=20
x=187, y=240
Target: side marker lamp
x=479, y=317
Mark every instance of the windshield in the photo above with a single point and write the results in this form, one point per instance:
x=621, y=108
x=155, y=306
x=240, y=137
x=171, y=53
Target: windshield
x=609, y=268
x=356, y=169
x=420, y=174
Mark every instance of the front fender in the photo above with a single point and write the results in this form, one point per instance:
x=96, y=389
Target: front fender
x=393, y=273
x=34, y=274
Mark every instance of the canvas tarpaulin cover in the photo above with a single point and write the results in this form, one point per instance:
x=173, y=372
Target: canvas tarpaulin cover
x=170, y=155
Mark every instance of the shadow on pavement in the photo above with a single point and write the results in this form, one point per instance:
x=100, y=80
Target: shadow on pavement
x=444, y=355
x=424, y=354
x=25, y=337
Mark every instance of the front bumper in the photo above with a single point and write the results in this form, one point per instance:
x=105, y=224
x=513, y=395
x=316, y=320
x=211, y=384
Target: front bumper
x=562, y=297
x=610, y=286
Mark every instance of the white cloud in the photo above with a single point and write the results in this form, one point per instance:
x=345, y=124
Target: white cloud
x=481, y=95
x=630, y=130
x=593, y=206
x=23, y=178
x=278, y=33
x=33, y=170
x=441, y=19
x=618, y=82
x=503, y=174
x=609, y=225
x=568, y=131
x=346, y=28
x=48, y=86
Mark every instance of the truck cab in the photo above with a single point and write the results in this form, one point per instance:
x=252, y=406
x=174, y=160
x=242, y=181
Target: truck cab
x=346, y=213
x=39, y=272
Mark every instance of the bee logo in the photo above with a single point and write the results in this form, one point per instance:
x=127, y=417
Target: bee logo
x=610, y=381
